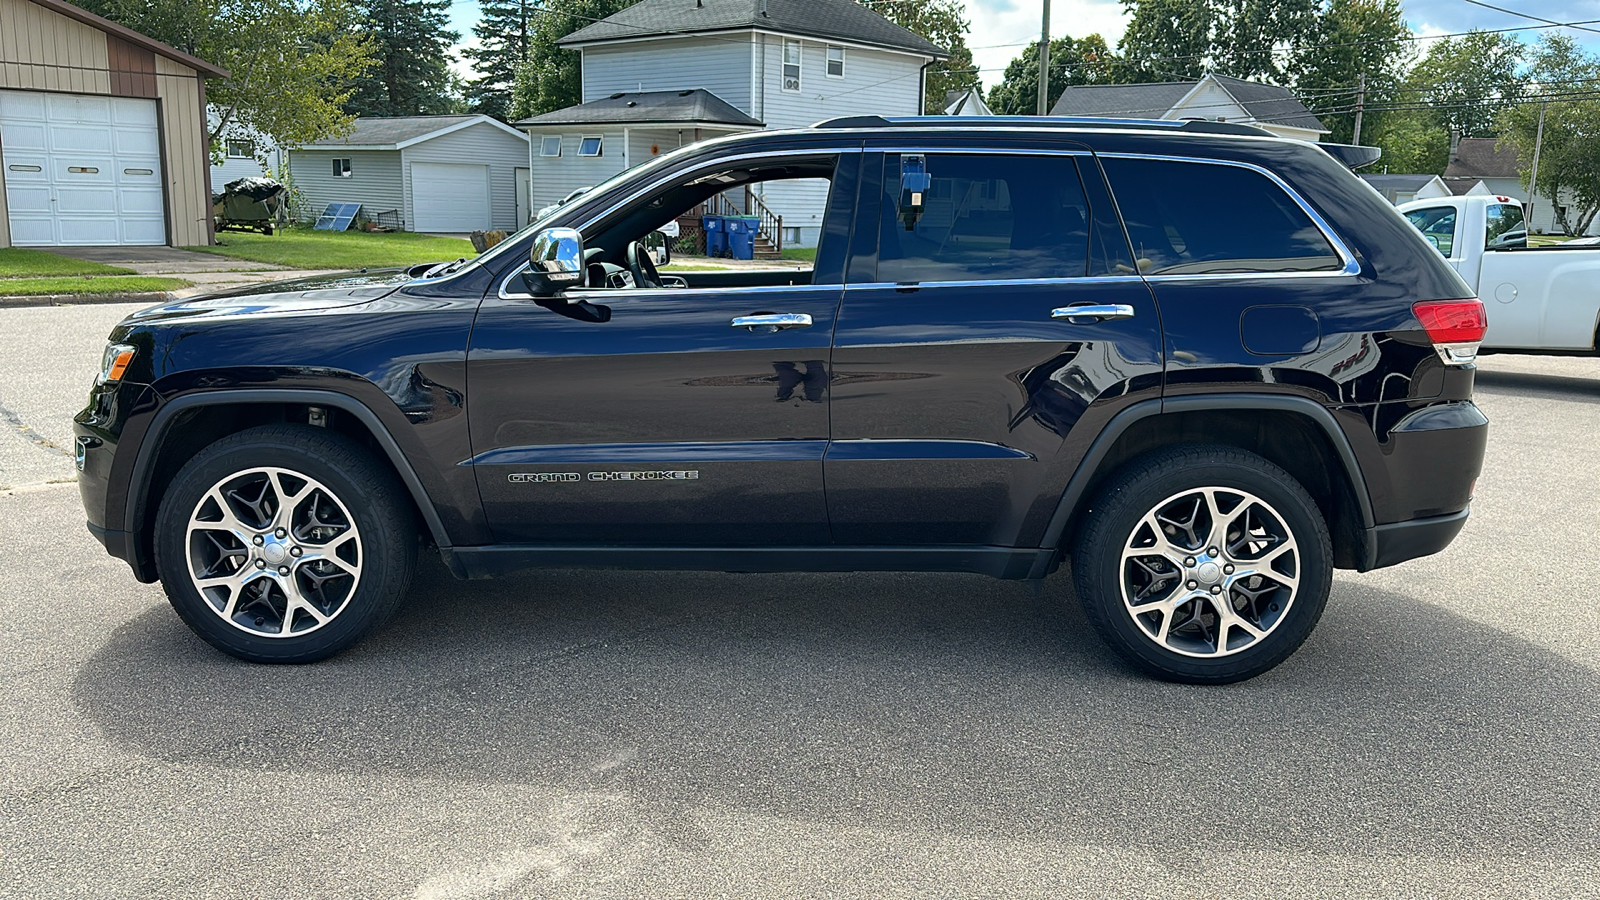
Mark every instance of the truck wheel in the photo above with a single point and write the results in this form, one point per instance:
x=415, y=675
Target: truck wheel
x=285, y=544
x=1205, y=565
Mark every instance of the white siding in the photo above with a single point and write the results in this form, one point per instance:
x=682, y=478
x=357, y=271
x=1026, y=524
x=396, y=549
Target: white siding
x=482, y=144
x=720, y=65
x=874, y=83
x=375, y=180
x=1211, y=102
x=555, y=177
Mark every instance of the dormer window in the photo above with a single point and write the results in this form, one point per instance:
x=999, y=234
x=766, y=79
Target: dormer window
x=791, y=66
x=835, y=62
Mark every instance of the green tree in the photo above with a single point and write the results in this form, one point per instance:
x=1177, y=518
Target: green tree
x=1466, y=81
x=548, y=78
x=1256, y=38
x=1166, y=39
x=1354, y=38
x=503, y=31
x=1569, y=154
x=944, y=23
x=1085, y=61
x=290, y=62
x=411, y=52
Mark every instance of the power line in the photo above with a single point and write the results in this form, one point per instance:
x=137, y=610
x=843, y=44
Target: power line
x=1521, y=15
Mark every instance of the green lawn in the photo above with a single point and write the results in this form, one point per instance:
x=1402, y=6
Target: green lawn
x=104, y=284
x=303, y=248
x=808, y=254
x=20, y=263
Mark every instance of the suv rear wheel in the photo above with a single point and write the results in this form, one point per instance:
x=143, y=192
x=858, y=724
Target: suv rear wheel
x=285, y=544
x=1205, y=565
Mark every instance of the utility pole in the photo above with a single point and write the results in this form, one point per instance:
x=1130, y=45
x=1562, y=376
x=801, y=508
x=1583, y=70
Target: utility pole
x=1044, y=62
x=1361, y=98
x=1533, y=177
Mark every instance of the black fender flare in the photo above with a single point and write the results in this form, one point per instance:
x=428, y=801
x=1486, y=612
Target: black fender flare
x=1078, y=485
x=140, y=478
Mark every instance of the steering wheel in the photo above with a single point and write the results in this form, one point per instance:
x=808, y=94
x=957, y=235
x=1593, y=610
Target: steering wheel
x=642, y=267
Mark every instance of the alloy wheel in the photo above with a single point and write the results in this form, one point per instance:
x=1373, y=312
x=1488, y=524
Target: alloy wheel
x=273, y=552
x=1210, y=572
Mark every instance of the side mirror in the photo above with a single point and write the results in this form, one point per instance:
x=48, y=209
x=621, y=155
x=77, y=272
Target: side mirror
x=555, y=262
x=914, y=184
x=659, y=245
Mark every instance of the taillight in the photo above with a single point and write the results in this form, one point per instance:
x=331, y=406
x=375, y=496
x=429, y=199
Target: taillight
x=1455, y=327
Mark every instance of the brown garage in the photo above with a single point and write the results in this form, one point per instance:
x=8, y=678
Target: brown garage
x=102, y=132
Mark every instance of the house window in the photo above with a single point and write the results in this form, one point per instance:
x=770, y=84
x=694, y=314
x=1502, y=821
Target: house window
x=341, y=168
x=835, y=61
x=791, y=66
x=589, y=145
x=550, y=146
x=241, y=149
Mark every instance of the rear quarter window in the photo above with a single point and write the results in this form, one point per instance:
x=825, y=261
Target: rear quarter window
x=1202, y=218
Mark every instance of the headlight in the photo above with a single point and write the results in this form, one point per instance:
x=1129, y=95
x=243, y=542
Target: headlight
x=115, y=362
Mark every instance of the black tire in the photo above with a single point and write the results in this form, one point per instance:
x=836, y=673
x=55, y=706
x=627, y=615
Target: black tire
x=1172, y=629
x=344, y=583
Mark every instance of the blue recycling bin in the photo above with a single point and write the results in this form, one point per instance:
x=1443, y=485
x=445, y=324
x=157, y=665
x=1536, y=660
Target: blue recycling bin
x=716, y=229
x=742, y=236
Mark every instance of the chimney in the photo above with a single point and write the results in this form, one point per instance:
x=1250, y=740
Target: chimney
x=1455, y=145
x=763, y=9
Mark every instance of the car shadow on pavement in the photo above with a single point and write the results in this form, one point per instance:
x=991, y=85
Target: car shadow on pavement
x=948, y=703
x=1555, y=387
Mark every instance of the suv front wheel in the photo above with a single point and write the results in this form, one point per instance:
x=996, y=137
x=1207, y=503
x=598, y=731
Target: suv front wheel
x=285, y=544
x=1205, y=565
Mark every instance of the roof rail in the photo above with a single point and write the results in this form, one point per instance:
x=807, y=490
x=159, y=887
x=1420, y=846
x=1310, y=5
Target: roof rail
x=1097, y=122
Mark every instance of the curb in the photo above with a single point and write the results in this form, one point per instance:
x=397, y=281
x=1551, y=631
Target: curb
x=149, y=298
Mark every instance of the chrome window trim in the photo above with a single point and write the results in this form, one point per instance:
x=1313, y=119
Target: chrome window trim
x=600, y=294
x=998, y=282
x=1352, y=266
x=635, y=195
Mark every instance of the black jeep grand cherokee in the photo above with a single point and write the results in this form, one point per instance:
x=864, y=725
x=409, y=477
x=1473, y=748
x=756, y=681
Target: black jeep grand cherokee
x=1207, y=364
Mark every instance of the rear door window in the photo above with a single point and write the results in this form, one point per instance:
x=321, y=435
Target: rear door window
x=1438, y=225
x=1198, y=218
x=986, y=218
x=1504, y=227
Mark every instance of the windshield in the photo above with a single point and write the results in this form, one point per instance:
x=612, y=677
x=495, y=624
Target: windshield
x=659, y=162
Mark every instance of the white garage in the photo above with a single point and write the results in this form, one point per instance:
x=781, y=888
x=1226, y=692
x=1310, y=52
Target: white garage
x=450, y=196
x=82, y=170
x=103, y=135
x=442, y=174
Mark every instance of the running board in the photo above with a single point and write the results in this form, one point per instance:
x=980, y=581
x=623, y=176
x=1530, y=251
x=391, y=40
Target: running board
x=504, y=559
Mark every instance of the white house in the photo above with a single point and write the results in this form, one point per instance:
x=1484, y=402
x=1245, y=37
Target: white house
x=446, y=174
x=667, y=72
x=1216, y=97
x=1486, y=166
x=1398, y=189
x=245, y=154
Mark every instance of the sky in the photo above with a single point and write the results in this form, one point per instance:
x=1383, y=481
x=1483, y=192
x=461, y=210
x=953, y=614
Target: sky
x=1000, y=28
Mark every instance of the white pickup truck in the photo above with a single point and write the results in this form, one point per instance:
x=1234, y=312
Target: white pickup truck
x=1545, y=299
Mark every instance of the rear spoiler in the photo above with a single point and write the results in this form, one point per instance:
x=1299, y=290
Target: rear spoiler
x=1353, y=156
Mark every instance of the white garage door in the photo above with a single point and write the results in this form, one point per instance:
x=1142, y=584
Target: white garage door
x=450, y=197
x=81, y=171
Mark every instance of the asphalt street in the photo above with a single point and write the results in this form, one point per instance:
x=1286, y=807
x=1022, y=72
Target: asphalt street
x=580, y=734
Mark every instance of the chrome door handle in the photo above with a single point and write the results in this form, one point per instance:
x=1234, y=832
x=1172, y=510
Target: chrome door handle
x=1094, y=311
x=773, y=321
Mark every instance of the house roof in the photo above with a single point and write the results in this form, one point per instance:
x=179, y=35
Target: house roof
x=1398, y=182
x=1264, y=102
x=843, y=20
x=133, y=37
x=966, y=102
x=1482, y=158
x=696, y=107
x=1460, y=184
x=399, y=132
